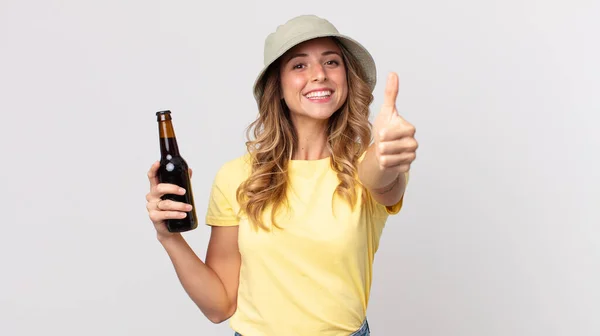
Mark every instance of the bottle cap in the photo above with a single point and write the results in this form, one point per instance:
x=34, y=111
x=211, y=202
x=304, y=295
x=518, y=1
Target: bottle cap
x=163, y=112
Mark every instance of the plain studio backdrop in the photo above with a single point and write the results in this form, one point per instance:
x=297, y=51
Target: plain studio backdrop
x=499, y=234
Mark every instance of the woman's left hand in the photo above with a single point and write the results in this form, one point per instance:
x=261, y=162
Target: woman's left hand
x=395, y=144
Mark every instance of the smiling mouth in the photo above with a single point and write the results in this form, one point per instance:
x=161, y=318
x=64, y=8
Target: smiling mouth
x=319, y=95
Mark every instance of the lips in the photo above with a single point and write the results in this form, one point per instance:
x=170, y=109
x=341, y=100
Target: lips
x=320, y=93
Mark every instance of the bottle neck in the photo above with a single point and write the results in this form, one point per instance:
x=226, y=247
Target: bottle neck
x=168, y=141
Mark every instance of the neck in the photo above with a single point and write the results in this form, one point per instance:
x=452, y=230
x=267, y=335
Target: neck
x=312, y=140
x=168, y=146
x=168, y=142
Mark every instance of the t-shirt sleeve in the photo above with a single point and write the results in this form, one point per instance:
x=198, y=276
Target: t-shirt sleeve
x=222, y=205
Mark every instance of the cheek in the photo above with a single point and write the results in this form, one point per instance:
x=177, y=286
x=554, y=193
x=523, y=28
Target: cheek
x=344, y=96
x=292, y=85
x=297, y=84
x=342, y=85
x=339, y=77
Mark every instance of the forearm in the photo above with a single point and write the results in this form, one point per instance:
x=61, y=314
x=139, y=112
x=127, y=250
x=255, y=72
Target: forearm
x=386, y=185
x=200, y=282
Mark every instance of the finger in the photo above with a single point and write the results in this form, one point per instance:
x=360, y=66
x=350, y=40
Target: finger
x=157, y=216
x=150, y=197
x=169, y=205
x=394, y=133
x=391, y=90
x=391, y=161
x=162, y=189
x=400, y=118
x=153, y=205
x=398, y=146
x=152, y=174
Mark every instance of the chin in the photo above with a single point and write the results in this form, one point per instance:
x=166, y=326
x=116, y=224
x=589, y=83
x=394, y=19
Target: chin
x=321, y=113
x=318, y=115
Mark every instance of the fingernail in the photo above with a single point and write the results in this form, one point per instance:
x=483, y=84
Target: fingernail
x=181, y=191
x=188, y=207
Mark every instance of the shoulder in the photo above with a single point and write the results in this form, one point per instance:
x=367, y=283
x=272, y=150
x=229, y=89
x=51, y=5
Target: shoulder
x=234, y=171
x=222, y=204
x=226, y=181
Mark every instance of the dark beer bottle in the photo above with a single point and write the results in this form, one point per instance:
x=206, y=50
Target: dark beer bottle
x=173, y=169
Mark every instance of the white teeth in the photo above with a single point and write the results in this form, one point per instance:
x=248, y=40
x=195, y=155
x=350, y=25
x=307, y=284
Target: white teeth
x=319, y=94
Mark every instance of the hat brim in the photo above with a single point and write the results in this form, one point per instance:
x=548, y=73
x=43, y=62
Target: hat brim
x=362, y=55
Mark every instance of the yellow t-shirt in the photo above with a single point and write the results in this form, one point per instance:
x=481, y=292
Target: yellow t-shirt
x=314, y=276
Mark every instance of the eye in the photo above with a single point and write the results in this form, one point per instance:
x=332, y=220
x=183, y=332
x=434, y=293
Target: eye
x=332, y=62
x=298, y=66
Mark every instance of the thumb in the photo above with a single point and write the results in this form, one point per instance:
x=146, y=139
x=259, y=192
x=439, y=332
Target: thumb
x=390, y=93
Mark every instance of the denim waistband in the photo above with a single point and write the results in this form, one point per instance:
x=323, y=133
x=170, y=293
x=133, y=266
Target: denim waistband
x=363, y=330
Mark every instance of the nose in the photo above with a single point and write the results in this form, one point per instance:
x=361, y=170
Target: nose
x=318, y=74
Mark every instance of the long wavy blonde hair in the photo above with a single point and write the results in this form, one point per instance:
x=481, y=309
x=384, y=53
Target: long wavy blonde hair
x=275, y=138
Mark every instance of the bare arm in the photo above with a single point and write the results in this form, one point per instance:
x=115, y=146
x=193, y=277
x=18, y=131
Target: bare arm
x=213, y=284
x=387, y=161
x=387, y=186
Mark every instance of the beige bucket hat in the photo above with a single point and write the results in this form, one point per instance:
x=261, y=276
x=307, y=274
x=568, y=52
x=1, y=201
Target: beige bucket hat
x=303, y=28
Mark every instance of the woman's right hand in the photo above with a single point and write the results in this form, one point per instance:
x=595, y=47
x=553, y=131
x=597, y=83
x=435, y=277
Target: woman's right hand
x=158, y=209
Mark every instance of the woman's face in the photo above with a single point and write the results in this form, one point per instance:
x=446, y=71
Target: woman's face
x=313, y=79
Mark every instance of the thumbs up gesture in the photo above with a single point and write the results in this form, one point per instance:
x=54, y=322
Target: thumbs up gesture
x=395, y=145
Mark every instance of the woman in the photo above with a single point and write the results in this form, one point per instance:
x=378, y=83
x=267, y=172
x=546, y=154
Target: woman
x=296, y=221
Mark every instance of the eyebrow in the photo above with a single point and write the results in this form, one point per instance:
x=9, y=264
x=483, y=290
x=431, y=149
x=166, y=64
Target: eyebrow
x=325, y=53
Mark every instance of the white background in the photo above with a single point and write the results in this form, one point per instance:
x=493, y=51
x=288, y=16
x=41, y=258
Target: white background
x=499, y=234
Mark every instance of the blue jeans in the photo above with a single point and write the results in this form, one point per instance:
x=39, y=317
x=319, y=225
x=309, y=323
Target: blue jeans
x=362, y=331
